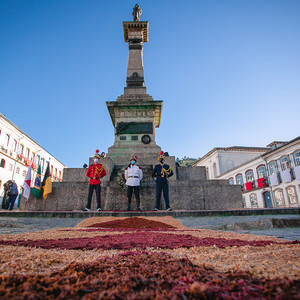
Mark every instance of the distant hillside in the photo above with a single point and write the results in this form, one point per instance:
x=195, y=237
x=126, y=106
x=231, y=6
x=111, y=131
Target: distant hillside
x=186, y=161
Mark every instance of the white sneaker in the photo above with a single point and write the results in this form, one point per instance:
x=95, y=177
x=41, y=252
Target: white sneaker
x=156, y=209
x=86, y=209
x=99, y=209
x=169, y=209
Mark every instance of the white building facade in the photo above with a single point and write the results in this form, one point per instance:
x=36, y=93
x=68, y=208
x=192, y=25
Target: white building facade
x=18, y=151
x=219, y=160
x=270, y=179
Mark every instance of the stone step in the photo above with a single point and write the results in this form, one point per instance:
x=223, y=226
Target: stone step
x=264, y=224
x=174, y=213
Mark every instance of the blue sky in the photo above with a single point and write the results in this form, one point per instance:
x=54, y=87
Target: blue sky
x=227, y=71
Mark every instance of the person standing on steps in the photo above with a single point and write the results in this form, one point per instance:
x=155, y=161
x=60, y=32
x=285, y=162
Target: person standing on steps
x=133, y=175
x=12, y=192
x=95, y=172
x=162, y=172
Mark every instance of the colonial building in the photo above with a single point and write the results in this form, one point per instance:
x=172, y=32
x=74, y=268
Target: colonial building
x=269, y=177
x=18, y=151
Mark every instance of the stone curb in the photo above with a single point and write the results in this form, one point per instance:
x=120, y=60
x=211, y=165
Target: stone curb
x=176, y=213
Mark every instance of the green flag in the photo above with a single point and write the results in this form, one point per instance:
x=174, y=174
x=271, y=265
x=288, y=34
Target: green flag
x=36, y=190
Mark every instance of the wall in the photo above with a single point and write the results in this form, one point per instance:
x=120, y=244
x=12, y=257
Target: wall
x=79, y=174
x=184, y=195
x=191, y=173
x=237, y=158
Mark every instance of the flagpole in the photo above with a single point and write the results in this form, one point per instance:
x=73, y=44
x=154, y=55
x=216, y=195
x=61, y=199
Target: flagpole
x=50, y=179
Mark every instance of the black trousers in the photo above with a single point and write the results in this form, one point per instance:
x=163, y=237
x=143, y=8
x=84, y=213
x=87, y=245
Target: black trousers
x=162, y=186
x=11, y=201
x=97, y=188
x=136, y=190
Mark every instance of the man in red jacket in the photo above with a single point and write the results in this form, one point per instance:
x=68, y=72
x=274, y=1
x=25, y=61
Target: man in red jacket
x=95, y=172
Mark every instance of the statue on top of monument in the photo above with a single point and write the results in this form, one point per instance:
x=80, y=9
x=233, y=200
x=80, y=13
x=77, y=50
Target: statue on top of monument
x=136, y=13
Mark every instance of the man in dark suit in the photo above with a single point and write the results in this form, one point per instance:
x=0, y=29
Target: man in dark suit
x=162, y=171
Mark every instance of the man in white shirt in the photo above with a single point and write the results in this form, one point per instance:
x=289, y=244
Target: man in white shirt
x=133, y=176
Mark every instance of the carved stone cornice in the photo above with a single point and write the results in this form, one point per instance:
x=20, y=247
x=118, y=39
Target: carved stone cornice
x=135, y=109
x=136, y=26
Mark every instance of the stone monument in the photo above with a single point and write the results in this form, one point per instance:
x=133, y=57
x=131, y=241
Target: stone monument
x=135, y=116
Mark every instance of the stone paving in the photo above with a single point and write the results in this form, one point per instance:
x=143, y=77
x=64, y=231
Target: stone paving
x=258, y=225
x=11, y=225
x=229, y=224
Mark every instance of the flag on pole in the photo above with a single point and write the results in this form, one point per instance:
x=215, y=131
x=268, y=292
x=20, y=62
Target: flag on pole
x=27, y=184
x=47, y=183
x=36, y=190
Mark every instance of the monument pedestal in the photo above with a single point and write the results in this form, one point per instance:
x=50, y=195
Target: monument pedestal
x=135, y=120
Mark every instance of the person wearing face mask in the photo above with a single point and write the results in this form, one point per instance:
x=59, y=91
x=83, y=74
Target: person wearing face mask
x=162, y=171
x=95, y=172
x=133, y=175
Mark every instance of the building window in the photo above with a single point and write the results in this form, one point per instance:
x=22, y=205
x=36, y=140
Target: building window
x=207, y=173
x=18, y=170
x=10, y=167
x=297, y=158
x=278, y=195
x=24, y=173
x=27, y=153
x=261, y=171
x=239, y=179
x=2, y=164
x=59, y=175
x=51, y=172
x=249, y=176
x=14, y=145
x=43, y=164
x=134, y=137
x=32, y=156
x=272, y=167
x=231, y=181
x=21, y=149
x=122, y=138
x=291, y=192
x=215, y=170
x=253, y=200
x=38, y=158
x=284, y=162
x=6, y=140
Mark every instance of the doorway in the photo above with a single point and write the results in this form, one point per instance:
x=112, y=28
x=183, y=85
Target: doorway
x=267, y=198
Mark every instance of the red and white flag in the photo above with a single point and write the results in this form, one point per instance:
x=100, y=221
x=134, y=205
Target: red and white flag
x=27, y=184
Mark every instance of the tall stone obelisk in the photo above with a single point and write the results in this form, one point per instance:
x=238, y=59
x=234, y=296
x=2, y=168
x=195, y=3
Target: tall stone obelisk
x=135, y=114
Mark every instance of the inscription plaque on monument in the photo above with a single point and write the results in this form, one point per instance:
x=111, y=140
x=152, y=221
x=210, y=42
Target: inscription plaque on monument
x=134, y=127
